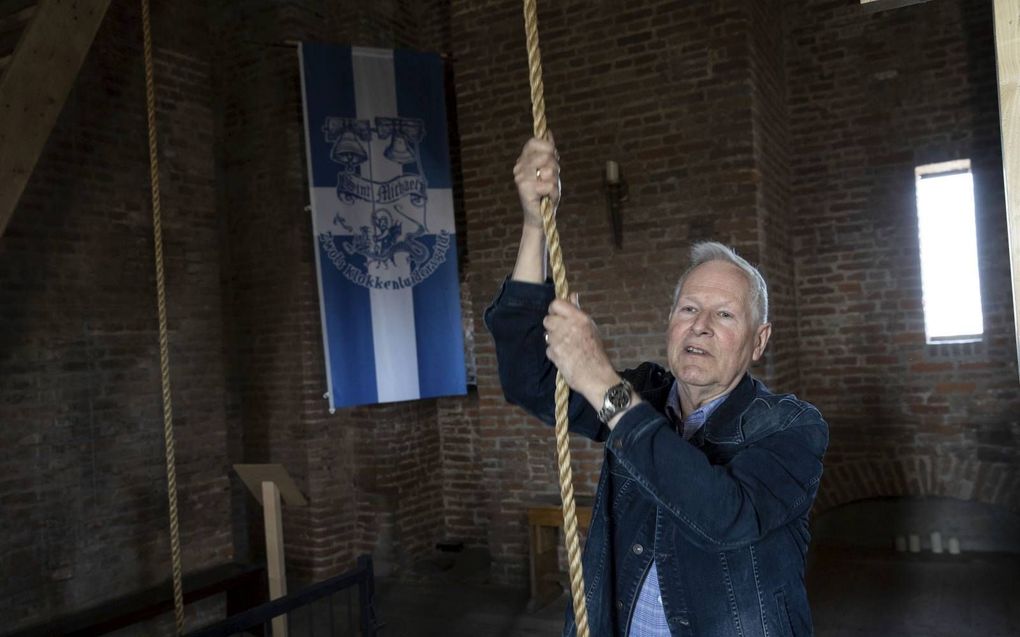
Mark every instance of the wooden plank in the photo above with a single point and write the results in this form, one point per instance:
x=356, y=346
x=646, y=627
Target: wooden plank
x=552, y=515
x=275, y=564
x=1007, y=46
x=9, y=7
x=9, y=41
x=253, y=475
x=874, y=6
x=35, y=86
x=17, y=20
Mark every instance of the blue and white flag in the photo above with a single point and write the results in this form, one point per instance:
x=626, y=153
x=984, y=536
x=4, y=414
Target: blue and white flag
x=382, y=214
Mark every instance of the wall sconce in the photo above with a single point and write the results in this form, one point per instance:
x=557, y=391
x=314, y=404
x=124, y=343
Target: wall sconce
x=616, y=194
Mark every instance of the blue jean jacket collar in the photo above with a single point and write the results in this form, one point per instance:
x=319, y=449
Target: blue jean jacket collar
x=724, y=423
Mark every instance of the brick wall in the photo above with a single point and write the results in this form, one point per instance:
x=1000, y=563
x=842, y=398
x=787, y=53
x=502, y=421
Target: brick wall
x=81, y=430
x=872, y=95
x=770, y=135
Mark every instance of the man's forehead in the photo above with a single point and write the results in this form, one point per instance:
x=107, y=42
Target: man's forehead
x=719, y=276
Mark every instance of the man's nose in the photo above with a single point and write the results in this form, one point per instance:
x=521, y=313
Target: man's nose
x=702, y=324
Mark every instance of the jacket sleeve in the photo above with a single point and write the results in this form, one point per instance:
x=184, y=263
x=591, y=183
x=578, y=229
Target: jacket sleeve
x=720, y=507
x=527, y=376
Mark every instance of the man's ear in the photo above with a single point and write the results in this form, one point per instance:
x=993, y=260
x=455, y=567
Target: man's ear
x=761, y=339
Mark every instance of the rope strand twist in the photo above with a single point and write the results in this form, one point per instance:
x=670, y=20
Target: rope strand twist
x=164, y=357
x=562, y=292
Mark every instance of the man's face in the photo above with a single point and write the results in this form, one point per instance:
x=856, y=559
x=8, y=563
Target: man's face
x=712, y=337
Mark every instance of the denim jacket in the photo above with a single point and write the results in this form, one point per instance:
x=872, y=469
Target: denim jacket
x=724, y=515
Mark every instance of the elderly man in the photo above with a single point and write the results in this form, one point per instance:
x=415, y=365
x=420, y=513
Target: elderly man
x=700, y=523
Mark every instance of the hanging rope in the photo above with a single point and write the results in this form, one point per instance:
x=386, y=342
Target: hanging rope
x=562, y=292
x=164, y=357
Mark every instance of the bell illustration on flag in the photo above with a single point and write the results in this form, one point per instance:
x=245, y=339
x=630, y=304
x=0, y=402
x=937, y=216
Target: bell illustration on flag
x=348, y=151
x=399, y=151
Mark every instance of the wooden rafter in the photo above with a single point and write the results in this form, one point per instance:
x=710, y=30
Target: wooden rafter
x=885, y=5
x=1007, y=46
x=14, y=17
x=35, y=81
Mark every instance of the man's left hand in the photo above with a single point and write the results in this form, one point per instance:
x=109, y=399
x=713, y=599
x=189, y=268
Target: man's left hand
x=574, y=346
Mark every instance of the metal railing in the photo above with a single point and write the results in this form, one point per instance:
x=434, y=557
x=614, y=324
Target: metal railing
x=258, y=620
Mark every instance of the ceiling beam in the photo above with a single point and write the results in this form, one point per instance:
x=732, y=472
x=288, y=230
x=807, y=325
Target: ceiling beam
x=15, y=16
x=35, y=84
x=1007, y=48
x=873, y=6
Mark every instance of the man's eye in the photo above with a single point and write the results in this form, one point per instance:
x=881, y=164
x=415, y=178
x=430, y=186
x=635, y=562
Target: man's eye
x=725, y=315
x=687, y=308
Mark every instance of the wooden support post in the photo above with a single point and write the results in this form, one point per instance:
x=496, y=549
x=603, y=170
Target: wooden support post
x=276, y=567
x=35, y=84
x=270, y=483
x=1007, y=46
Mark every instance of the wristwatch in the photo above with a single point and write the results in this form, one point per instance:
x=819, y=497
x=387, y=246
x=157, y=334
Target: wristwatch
x=617, y=399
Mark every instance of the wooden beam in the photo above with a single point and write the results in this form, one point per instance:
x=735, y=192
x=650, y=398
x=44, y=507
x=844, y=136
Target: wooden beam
x=1007, y=46
x=14, y=9
x=16, y=17
x=35, y=85
x=9, y=40
x=874, y=6
x=272, y=514
x=8, y=7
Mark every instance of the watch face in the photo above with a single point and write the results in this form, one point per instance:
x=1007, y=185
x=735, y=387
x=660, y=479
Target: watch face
x=616, y=400
x=619, y=396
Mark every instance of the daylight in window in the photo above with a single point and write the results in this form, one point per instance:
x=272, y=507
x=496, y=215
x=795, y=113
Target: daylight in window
x=949, y=261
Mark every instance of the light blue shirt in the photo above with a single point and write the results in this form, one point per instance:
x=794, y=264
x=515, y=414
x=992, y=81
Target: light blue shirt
x=649, y=618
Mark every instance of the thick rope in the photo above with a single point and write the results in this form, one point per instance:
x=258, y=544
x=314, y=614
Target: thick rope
x=164, y=356
x=562, y=292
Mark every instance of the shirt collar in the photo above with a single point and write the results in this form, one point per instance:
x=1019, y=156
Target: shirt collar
x=694, y=421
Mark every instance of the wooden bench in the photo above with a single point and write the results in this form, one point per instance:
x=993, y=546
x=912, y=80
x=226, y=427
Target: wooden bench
x=544, y=523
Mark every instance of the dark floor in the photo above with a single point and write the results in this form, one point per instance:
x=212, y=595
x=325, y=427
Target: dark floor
x=865, y=593
x=854, y=593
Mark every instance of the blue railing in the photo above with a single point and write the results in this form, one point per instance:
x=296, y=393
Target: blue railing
x=299, y=605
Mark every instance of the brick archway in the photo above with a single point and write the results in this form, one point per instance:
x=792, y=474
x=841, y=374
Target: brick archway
x=995, y=483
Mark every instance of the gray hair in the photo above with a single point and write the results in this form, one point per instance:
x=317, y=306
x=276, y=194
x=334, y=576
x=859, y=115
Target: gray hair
x=706, y=251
